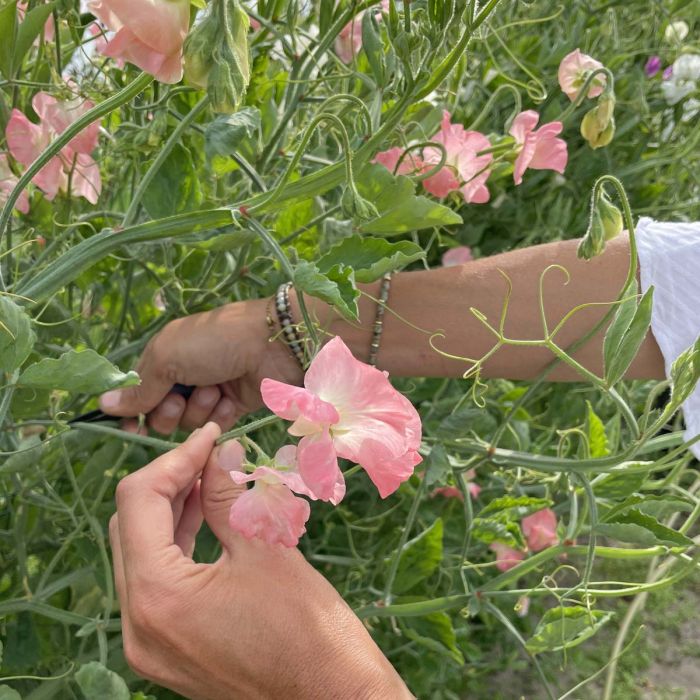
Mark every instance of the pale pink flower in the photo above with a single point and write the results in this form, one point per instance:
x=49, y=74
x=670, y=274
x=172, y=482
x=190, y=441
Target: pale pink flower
x=349, y=40
x=538, y=149
x=522, y=607
x=410, y=164
x=463, y=170
x=270, y=510
x=7, y=184
x=254, y=24
x=573, y=71
x=149, y=33
x=27, y=140
x=457, y=256
x=347, y=409
x=540, y=529
x=506, y=557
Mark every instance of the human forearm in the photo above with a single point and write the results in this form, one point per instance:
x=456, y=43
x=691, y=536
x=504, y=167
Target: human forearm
x=440, y=299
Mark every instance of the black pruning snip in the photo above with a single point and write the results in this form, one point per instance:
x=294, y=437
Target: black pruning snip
x=98, y=416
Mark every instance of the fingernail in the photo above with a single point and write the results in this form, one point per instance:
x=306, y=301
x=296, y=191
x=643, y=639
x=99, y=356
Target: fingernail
x=110, y=400
x=207, y=396
x=171, y=409
x=225, y=407
x=230, y=455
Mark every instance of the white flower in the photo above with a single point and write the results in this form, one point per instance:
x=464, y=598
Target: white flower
x=687, y=67
x=675, y=90
x=676, y=32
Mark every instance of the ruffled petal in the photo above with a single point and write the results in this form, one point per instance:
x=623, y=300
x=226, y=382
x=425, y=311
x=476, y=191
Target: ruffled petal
x=270, y=512
x=540, y=529
x=318, y=466
x=292, y=402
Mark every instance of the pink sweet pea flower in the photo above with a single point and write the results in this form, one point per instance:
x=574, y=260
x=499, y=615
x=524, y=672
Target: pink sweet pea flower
x=539, y=149
x=573, y=71
x=410, y=164
x=149, y=33
x=506, y=557
x=347, y=409
x=27, y=140
x=540, y=530
x=270, y=510
x=457, y=256
x=7, y=184
x=464, y=170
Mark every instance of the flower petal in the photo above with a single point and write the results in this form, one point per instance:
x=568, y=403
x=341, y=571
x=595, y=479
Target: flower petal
x=270, y=512
x=292, y=402
x=318, y=466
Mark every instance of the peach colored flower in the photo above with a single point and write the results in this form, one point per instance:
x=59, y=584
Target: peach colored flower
x=149, y=33
x=538, y=149
x=347, y=409
x=270, y=510
x=8, y=180
x=74, y=163
x=506, y=557
x=540, y=529
x=573, y=71
x=463, y=170
x=410, y=164
x=457, y=256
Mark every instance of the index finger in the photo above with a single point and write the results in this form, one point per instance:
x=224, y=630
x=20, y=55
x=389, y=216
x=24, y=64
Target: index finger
x=145, y=501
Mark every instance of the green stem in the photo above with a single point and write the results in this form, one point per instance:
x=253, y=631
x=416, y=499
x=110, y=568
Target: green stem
x=152, y=171
x=248, y=428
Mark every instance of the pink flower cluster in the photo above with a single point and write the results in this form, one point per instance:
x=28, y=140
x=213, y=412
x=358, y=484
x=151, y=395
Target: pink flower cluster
x=469, y=157
x=74, y=164
x=346, y=409
x=540, y=530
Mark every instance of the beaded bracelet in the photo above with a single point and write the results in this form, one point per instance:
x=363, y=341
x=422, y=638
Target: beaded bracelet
x=289, y=329
x=378, y=326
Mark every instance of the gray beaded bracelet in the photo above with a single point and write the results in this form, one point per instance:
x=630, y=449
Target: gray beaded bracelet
x=378, y=326
x=289, y=329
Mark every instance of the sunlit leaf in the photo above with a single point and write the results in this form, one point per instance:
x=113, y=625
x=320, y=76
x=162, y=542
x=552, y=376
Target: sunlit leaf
x=563, y=628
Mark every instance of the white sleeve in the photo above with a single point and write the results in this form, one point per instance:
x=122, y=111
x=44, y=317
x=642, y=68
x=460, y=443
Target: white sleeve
x=669, y=259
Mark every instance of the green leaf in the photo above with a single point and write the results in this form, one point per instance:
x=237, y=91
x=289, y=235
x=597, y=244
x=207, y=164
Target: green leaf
x=76, y=371
x=8, y=25
x=373, y=47
x=30, y=29
x=438, y=465
x=619, y=484
x=419, y=558
x=400, y=210
x=467, y=421
x=174, y=189
x=490, y=530
x=7, y=693
x=226, y=133
x=435, y=632
x=625, y=336
x=16, y=335
x=563, y=628
x=685, y=372
x=99, y=683
x=336, y=286
x=371, y=258
x=638, y=528
x=514, y=507
x=597, y=439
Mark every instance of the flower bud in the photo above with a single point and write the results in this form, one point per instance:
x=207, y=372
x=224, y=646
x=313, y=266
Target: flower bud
x=610, y=217
x=216, y=55
x=355, y=206
x=596, y=129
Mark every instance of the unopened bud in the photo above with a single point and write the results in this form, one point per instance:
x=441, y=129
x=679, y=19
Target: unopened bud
x=216, y=55
x=596, y=130
x=610, y=217
x=605, y=223
x=356, y=207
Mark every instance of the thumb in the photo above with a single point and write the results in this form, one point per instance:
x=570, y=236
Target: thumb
x=143, y=398
x=219, y=492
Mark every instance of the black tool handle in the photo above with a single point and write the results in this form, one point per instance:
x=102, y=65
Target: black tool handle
x=97, y=416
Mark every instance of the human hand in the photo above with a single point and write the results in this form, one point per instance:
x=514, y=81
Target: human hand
x=258, y=623
x=225, y=353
